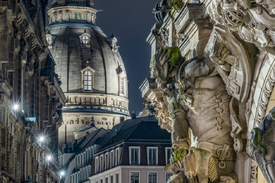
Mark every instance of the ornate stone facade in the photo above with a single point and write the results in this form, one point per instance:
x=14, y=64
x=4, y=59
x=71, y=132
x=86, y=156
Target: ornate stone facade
x=212, y=78
x=90, y=68
x=30, y=95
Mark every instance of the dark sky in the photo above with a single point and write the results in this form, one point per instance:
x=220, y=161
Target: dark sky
x=131, y=22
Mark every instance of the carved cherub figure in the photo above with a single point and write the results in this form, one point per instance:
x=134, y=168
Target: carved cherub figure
x=198, y=101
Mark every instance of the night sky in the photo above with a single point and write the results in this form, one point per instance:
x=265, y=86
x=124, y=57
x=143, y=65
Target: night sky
x=130, y=21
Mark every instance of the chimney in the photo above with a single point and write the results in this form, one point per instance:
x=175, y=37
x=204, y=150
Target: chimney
x=133, y=115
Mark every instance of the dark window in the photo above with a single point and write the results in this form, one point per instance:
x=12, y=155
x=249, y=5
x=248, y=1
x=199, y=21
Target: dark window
x=134, y=177
x=152, y=177
x=168, y=175
x=168, y=154
x=112, y=179
x=134, y=156
x=117, y=178
x=106, y=180
x=152, y=156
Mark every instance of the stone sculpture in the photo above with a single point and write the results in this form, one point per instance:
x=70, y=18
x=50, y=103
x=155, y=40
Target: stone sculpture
x=209, y=96
x=196, y=95
x=262, y=146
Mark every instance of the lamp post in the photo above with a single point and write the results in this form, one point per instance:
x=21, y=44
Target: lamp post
x=49, y=158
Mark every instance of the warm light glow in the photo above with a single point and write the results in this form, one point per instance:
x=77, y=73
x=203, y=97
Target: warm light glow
x=49, y=157
x=16, y=107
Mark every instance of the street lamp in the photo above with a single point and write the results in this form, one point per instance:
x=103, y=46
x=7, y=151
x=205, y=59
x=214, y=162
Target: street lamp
x=15, y=107
x=41, y=138
x=62, y=173
x=49, y=157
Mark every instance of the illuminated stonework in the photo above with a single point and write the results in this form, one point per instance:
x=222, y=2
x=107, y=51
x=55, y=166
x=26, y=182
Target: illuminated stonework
x=212, y=78
x=90, y=68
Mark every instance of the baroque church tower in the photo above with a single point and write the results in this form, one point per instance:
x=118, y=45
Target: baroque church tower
x=90, y=68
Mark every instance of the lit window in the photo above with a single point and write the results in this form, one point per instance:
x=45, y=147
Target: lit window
x=121, y=85
x=87, y=79
x=85, y=39
x=134, y=177
x=168, y=175
x=134, y=156
x=152, y=156
x=77, y=16
x=152, y=177
x=168, y=154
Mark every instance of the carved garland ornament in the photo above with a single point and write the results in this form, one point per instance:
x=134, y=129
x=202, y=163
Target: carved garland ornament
x=267, y=89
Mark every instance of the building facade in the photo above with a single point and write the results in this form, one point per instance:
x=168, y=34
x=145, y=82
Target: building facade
x=30, y=96
x=134, y=151
x=89, y=66
x=211, y=78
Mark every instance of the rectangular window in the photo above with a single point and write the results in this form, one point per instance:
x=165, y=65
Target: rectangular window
x=134, y=177
x=134, y=156
x=96, y=165
x=101, y=163
x=106, y=180
x=87, y=81
x=117, y=157
x=117, y=178
x=112, y=159
x=101, y=180
x=168, y=154
x=152, y=177
x=152, y=156
x=168, y=175
x=106, y=160
x=112, y=179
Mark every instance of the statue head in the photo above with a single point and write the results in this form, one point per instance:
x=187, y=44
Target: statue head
x=165, y=63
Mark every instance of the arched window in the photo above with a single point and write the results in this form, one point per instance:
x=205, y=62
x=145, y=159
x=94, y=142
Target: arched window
x=87, y=79
x=77, y=16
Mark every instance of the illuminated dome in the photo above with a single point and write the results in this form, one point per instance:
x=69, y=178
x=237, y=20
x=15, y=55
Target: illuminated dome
x=89, y=65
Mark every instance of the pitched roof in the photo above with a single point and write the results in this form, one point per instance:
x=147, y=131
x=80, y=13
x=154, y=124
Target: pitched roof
x=138, y=130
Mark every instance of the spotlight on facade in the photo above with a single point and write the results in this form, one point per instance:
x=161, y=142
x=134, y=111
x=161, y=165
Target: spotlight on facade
x=15, y=107
x=49, y=157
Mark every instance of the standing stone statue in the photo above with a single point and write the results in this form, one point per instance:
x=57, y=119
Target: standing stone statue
x=197, y=100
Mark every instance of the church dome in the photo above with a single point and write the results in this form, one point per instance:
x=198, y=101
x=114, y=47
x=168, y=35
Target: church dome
x=88, y=64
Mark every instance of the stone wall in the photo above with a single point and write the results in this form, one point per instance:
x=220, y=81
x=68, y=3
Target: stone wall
x=30, y=95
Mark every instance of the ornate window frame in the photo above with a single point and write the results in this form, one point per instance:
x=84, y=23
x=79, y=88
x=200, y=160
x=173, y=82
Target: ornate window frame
x=89, y=69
